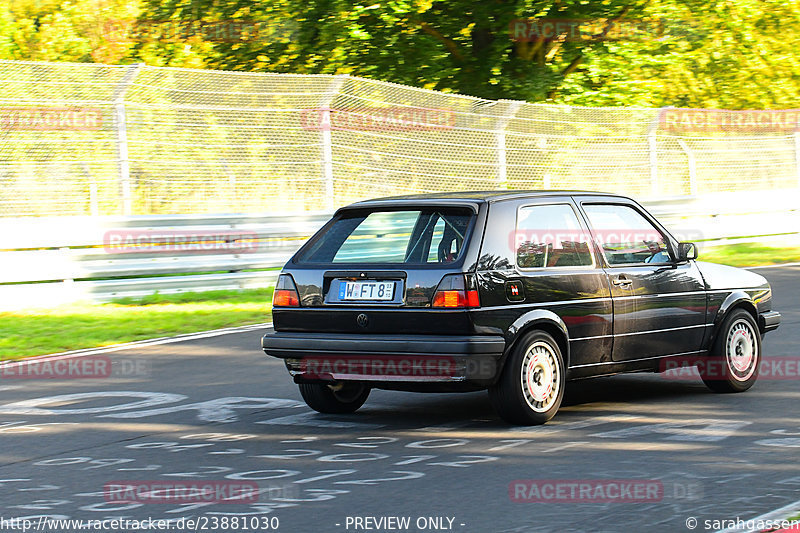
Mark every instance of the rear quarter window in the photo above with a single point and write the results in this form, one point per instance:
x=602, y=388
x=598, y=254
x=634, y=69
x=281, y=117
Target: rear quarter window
x=550, y=236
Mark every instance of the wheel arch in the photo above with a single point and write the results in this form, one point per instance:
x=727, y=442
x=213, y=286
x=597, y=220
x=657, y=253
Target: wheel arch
x=539, y=319
x=735, y=300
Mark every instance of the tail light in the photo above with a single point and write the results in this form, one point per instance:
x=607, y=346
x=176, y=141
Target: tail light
x=285, y=294
x=456, y=291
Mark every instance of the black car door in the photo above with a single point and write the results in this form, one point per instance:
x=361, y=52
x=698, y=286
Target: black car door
x=659, y=303
x=536, y=258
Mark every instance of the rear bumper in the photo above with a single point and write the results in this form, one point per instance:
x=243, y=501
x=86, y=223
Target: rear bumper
x=769, y=321
x=387, y=358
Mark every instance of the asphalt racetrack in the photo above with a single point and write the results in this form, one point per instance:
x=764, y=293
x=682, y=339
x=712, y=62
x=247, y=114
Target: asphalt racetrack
x=217, y=410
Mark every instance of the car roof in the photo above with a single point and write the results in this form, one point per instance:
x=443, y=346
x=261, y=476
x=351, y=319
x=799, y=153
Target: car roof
x=476, y=196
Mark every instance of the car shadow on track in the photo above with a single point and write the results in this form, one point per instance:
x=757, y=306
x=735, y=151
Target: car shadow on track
x=640, y=393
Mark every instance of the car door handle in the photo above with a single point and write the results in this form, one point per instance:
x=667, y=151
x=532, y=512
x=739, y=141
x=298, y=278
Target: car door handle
x=621, y=281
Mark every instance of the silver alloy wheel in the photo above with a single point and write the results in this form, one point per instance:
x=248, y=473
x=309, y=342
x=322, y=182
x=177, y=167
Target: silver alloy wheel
x=741, y=350
x=540, y=376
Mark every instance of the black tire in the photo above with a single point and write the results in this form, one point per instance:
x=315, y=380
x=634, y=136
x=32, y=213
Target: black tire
x=531, y=386
x=334, y=398
x=736, y=355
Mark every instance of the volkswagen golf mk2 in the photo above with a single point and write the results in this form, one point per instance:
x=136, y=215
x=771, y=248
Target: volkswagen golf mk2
x=515, y=292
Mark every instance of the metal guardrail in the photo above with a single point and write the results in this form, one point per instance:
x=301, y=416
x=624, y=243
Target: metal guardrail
x=721, y=218
x=64, y=259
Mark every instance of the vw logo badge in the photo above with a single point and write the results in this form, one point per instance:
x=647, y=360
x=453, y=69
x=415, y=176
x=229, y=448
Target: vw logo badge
x=362, y=320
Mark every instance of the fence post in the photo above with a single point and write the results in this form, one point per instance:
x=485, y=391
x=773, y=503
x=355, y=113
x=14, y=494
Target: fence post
x=500, y=141
x=652, y=149
x=121, y=137
x=327, y=141
x=690, y=159
x=94, y=210
x=797, y=154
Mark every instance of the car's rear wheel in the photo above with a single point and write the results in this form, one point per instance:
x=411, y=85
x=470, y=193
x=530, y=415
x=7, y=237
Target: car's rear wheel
x=531, y=386
x=334, y=398
x=736, y=355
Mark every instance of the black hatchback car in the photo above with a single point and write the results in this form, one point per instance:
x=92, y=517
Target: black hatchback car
x=516, y=292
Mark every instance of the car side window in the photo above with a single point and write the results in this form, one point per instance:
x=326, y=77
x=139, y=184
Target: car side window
x=626, y=236
x=550, y=236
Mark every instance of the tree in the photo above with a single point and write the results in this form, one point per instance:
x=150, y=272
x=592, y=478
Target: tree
x=723, y=53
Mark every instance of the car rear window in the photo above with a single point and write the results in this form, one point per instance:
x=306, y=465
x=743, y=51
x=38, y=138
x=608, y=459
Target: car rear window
x=408, y=236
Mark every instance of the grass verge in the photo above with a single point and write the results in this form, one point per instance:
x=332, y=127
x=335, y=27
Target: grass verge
x=42, y=331
x=748, y=254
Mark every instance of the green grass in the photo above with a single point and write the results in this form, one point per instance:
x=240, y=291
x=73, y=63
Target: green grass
x=744, y=255
x=795, y=518
x=42, y=331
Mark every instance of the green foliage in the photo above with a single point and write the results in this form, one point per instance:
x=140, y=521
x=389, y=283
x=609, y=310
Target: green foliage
x=723, y=53
x=72, y=30
x=258, y=296
x=751, y=254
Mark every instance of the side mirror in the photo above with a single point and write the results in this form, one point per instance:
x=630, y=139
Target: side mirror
x=687, y=251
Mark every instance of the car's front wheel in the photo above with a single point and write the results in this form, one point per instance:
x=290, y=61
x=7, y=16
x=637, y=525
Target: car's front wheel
x=736, y=355
x=334, y=398
x=531, y=386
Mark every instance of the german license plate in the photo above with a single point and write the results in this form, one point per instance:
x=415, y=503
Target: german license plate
x=366, y=290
